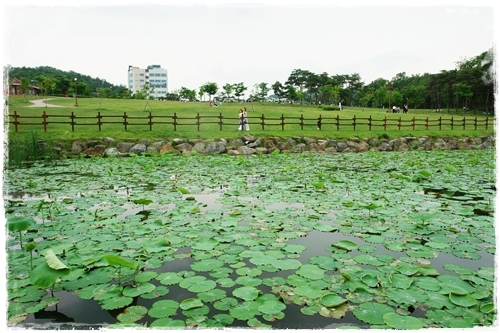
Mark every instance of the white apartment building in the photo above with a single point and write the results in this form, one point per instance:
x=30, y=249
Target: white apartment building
x=154, y=76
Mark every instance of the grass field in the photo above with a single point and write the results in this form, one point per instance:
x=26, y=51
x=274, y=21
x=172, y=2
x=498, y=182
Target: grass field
x=90, y=107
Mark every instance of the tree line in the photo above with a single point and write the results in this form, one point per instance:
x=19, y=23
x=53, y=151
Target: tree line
x=469, y=86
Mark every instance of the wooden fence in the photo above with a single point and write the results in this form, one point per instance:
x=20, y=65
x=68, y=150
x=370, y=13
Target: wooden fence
x=264, y=122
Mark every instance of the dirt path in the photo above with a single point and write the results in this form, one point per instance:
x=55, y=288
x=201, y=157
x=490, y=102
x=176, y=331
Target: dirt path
x=41, y=103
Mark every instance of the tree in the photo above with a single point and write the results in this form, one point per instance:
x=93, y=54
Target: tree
x=354, y=83
x=463, y=91
x=366, y=98
x=228, y=89
x=211, y=89
x=239, y=89
x=291, y=93
x=261, y=91
x=25, y=84
x=278, y=89
x=201, y=92
x=187, y=93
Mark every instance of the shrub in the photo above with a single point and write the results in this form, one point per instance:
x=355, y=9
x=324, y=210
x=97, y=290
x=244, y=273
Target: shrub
x=331, y=108
x=383, y=136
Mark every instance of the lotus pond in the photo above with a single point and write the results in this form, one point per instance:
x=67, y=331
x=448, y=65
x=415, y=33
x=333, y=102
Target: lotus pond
x=400, y=240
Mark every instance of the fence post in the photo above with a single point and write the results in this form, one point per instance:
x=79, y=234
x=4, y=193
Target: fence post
x=150, y=121
x=486, y=123
x=301, y=122
x=72, y=121
x=175, y=121
x=44, y=116
x=451, y=120
x=99, y=120
x=220, y=121
x=463, y=123
x=198, y=121
x=15, y=120
x=370, y=123
x=385, y=123
x=413, y=123
x=427, y=123
x=282, y=122
x=354, y=122
x=125, y=120
x=440, y=122
x=262, y=121
x=475, y=123
x=338, y=122
x=399, y=124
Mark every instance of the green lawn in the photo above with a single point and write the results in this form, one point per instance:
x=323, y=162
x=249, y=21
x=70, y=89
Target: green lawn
x=187, y=112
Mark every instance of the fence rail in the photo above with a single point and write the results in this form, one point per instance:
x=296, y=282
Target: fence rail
x=160, y=121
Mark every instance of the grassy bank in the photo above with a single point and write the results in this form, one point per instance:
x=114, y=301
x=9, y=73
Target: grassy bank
x=190, y=110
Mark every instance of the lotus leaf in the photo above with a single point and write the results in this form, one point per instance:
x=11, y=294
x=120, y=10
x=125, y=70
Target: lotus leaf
x=367, y=259
x=207, y=265
x=158, y=292
x=169, y=278
x=168, y=323
x=19, y=223
x=145, y=276
x=246, y=293
x=372, y=313
x=220, y=320
x=406, y=296
x=248, y=281
x=245, y=311
x=332, y=300
x=397, y=321
x=116, y=302
x=311, y=272
x=143, y=288
x=190, y=303
x=401, y=281
x=163, y=308
x=286, y=264
x=310, y=310
x=212, y=295
x=197, y=284
x=462, y=300
x=346, y=245
x=132, y=314
x=225, y=303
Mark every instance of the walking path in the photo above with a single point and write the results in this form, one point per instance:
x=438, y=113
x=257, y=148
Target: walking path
x=41, y=103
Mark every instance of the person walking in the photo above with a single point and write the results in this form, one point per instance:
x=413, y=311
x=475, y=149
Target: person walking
x=245, y=119
x=240, y=119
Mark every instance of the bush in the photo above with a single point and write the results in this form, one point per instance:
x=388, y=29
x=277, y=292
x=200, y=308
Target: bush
x=383, y=136
x=331, y=108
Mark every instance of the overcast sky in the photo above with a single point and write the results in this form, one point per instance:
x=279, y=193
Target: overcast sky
x=246, y=41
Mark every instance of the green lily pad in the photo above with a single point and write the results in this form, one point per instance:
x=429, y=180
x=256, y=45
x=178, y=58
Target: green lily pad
x=311, y=272
x=372, y=313
x=397, y=321
x=163, y=308
x=207, y=265
x=132, y=314
x=332, y=300
x=246, y=293
x=271, y=307
x=190, y=303
x=462, y=300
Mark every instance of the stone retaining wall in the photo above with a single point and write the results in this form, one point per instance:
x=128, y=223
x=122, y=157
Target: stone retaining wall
x=248, y=145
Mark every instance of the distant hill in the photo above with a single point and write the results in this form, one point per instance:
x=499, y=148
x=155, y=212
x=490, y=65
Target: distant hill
x=63, y=79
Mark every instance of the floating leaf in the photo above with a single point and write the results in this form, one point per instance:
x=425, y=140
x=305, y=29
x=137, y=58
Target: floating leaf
x=332, y=300
x=402, y=322
x=372, y=313
x=346, y=245
x=163, y=308
x=190, y=303
x=462, y=300
x=246, y=293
